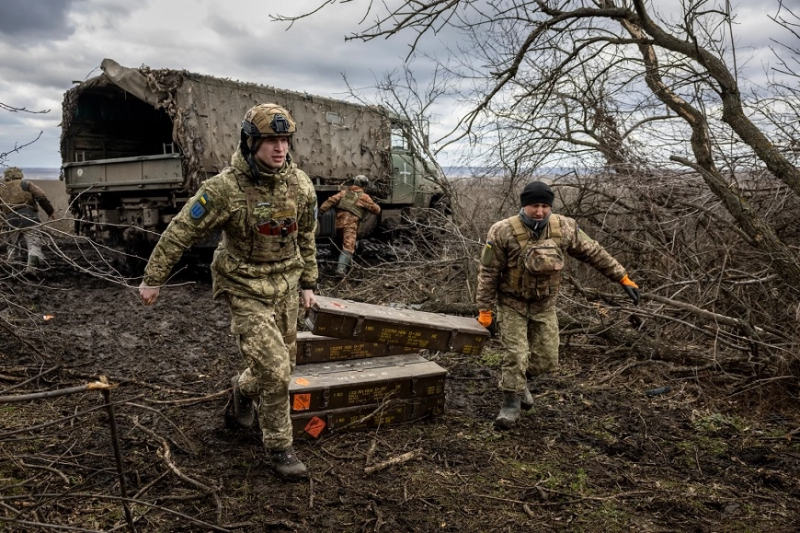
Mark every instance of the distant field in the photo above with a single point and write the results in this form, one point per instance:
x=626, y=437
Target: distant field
x=41, y=173
x=56, y=193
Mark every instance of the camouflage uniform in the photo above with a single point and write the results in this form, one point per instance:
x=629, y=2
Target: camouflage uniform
x=353, y=204
x=20, y=201
x=525, y=300
x=257, y=268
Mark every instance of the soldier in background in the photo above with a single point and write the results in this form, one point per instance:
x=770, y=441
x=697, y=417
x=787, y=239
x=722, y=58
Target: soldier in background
x=265, y=207
x=520, y=270
x=20, y=201
x=352, y=205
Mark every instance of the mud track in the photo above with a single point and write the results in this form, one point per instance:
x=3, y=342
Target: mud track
x=595, y=454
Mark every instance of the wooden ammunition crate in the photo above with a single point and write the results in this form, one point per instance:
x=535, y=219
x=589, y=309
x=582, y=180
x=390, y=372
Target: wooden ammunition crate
x=376, y=323
x=334, y=385
x=312, y=425
x=317, y=349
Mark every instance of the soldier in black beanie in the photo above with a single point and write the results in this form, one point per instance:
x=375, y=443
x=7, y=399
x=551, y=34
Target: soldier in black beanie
x=520, y=271
x=537, y=192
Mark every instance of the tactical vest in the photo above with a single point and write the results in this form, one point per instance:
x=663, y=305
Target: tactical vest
x=15, y=197
x=271, y=223
x=537, y=273
x=349, y=201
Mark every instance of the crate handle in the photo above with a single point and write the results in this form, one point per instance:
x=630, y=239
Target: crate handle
x=359, y=326
x=452, y=338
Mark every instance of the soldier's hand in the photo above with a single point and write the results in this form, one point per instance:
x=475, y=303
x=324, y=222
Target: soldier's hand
x=631, y=288
x=308, y=299
x=148, y=294
x=485, y=318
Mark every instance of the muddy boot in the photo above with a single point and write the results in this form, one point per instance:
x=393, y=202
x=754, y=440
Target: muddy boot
x=344, y=263
x=526, y=402
x=244, y=412
x=33, y=266
x=509, y=412
x=287, y=465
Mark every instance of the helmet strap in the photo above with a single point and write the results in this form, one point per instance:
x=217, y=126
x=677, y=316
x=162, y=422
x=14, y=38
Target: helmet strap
x=247, y=153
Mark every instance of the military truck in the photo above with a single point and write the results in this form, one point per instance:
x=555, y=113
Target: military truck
x=137, y=142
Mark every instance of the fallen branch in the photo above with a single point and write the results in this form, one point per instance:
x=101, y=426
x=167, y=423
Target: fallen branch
x=34, y=378
x=56, y=393
x=399, y=459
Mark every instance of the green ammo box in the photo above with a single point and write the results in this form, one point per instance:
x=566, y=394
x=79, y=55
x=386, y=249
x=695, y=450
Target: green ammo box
x=335, y=385
x=386, y=325
x=317, y=349
x=393, y=412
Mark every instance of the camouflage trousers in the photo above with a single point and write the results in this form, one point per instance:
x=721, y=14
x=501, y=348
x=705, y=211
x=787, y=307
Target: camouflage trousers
x=349, y=232
x=267, y=338
x=531, y=342
x=33, y=243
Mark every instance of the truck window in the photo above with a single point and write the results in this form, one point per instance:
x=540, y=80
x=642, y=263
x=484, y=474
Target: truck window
x=399, y=140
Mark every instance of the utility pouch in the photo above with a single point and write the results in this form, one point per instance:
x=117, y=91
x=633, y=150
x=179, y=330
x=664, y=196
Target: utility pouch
x=544, y=258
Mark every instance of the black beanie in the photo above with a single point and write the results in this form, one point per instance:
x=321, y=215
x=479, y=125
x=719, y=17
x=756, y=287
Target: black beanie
x=536, y=192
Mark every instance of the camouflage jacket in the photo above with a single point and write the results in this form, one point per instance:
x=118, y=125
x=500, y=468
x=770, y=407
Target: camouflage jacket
x=346, y=218
x=494, y=278
x=221, y=204
x=18, y=194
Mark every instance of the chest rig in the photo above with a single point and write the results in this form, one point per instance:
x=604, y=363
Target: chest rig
x=270, y=232
x=349, y=203
x=536, y=274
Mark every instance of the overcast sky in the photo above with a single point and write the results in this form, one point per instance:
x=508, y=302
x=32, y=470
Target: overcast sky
x=45, y=45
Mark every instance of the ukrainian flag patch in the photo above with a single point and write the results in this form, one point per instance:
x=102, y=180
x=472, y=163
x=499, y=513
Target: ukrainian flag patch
x=200, y=207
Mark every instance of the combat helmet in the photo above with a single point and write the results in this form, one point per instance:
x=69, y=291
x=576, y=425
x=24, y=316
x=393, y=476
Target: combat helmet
x=361, y=181
x=12, y=173
x=261, y=121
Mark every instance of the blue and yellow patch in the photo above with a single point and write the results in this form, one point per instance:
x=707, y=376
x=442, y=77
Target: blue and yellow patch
x=200, y=207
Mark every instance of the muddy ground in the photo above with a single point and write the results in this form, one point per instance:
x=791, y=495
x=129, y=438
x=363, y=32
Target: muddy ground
x=595, y=454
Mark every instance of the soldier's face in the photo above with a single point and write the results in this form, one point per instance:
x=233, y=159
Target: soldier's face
x=272, y=151
x=537, y=211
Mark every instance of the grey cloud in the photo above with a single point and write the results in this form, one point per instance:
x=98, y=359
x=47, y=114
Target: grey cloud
x=28, y=20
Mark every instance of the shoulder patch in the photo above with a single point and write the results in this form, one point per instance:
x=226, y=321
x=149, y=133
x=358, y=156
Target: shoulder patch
x=200, y=207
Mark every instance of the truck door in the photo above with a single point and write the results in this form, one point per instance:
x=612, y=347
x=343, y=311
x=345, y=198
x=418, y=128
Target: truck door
x=403, y=171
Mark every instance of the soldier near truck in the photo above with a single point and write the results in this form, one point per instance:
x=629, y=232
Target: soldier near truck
x=520, y=271
x=264, y=205
x=352, y=205
x=19, y=202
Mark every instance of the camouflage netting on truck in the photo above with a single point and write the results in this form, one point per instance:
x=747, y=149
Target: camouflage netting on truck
x=335, y=140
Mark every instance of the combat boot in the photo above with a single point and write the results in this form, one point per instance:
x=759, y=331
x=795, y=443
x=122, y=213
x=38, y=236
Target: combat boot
x=526, y=402
x=32, y=268
x=344, y=262
x=509, y=412
x=287, y=465
x=244, y=411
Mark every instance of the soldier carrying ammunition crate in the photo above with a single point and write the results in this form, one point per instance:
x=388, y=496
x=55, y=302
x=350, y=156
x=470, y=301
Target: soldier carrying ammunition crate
x=265, y=207
x=520, y=270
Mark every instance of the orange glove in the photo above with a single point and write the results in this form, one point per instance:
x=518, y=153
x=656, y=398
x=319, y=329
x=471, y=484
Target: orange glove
x=485, y=318
x=631, y=288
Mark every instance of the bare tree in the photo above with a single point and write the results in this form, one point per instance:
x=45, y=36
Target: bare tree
x=653, y=139
x=684, y=66
x=18, y=147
